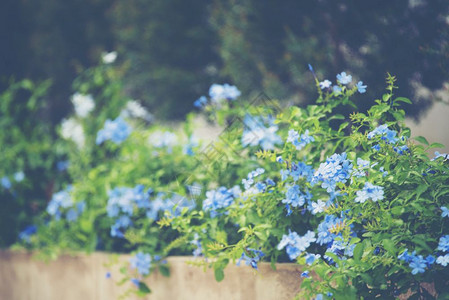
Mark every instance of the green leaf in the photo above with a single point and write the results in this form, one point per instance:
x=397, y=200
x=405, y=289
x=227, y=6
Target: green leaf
x=219, y=274
x=358, y=251
x=436, y=145
x=143, y=288
x=403, y=99
x=165, y=271
x=422, y=140
x=343, y=126
x=389, y=246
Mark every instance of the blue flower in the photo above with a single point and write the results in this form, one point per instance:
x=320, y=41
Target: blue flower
x=294, y=197
x=319, y=297
x=305, y=274
x=445, y=212
x=296, y=244
x=251, y=260
x=135, y=281
x=196, y=242
x=6, y=183
x=444, y=243
x=218, y=199
x=344, y=78
x=200, y=102
x=336, y=169
x=318, y=207
x=336, y=89
x=26, y=234
x=219, y=92
x=260, y=131
x=325, y=84
x=141, y=262
x=418, y=264
x=60, y=200
x=386, y=134
x=443, y=260
x=108, y=275
x=116, y=131
x=370, y=191
x=324, y=229
x=310, y=258
x=360, y=87
x=19, y=176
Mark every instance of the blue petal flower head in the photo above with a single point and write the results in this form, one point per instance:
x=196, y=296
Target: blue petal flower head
x=260, y=131
x=301, y=170
x=200, y=102
x=370, y=191
x=164, y=139
x=219, y=92
x=310, y=258
x=344, y=78
x=142, y=262
x=59, y=200
x=324, y=229
x=336, y=90
x=305, y=274
x=296, y=244
x=360, y=87
x=116, y=131
x=438, y=155
x=254, y=257
x=294, y=197
x=6, y=183
x=325, y=84
x=319, y=297
x=418, y=264
x=385, y=134
x=444, y=243
x=218, y=199
x=336, y=169
x=19, y=176
x=318, y=207
x=445, y=212
x=443, y=260
x=26, y=234
x=135, y=281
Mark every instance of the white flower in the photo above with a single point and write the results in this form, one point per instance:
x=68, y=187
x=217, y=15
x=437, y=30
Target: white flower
x=109, y=58
x=83, y=104
x=72, y=130
x=133, y=109
x=161, y=139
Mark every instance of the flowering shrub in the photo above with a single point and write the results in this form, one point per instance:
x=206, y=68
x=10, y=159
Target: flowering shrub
x=351, y=198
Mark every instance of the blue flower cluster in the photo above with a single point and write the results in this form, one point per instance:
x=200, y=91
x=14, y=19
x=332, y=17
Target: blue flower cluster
x=250, y=178
x=295, y=198
x=260, y=131
x=61, y=202
x=298, y=170
x=252, y=259
x=219, y=199
x=299, y=141
x=296, y=244
x=122, y=203
x=116, y=131
x=217, y=94
x=342, y=79
x=336, y=169
x=417, y=263
x=390, y=137
x=325, y=236
x=142, y=262
x=370, y=191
